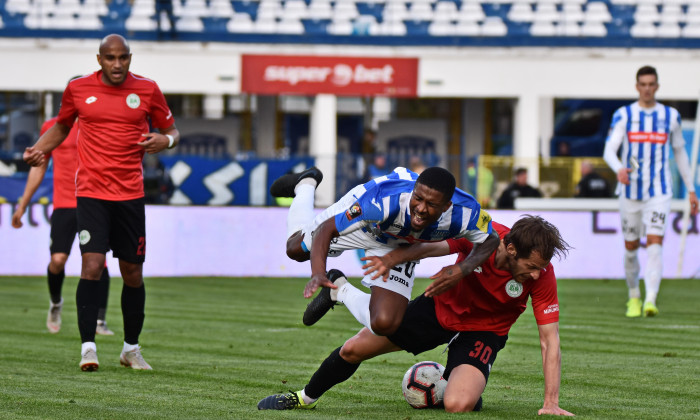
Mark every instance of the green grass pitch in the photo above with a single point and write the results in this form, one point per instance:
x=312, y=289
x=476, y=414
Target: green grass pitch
x=218, y=345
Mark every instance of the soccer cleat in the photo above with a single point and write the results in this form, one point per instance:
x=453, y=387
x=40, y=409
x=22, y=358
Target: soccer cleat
x=89, y=363
x=53, y=319
x=318, y=307
x=634, y=308
x=284, y=185
x=289, y=401
x=134, y=360
x=103, y=329
x=650, y=309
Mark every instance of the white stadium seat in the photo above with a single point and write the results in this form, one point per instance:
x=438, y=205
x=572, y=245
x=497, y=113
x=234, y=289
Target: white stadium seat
x=646, y=13
x=420, y=11
x=668, y=30
x=572, y=12
x=597, y=11
x=221, y=9
x=441, y=28
x=493, y=26
x=18, y=6
x=521, y=12
x=189, y=24
x=471, y=12
x=290, y=25
x=345, y=10
x=320, y=9
x=543, y=28
x=240, y=23
x=593, y=29
x=643, y=30
x=546, y=12
x=340, y=27
x=569, y=29
x=467, y=28
x=294, y=9
x=395, y=12
x=691, y=31
x=265, y=25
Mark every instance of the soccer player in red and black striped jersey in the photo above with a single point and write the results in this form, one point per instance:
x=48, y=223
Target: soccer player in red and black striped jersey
x=474, y=317
x=63, y=225
x=114, y=107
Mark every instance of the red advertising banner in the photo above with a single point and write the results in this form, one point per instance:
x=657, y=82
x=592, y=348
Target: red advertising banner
x=343, y=76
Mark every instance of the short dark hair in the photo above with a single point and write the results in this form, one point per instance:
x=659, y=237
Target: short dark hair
x=643, y=71
x=439, y=179
x=520, y=171
x=533, y=233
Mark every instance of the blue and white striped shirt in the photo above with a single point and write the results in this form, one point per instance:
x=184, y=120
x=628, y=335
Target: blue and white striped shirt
x=382, y=208
x=646, y=135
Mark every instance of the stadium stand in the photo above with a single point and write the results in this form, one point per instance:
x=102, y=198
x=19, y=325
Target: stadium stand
x=612, y=23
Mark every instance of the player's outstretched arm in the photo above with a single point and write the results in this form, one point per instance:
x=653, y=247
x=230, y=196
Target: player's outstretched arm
x=381, y=266
x=54, y=136
x=551, y=365
x=36, y=175
x=319, y=252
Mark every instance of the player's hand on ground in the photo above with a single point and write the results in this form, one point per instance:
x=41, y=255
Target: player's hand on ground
x=376, y=266
x=318, y=280
x=554, y=410
x=623, y=175
x=33, y=157
x=444, y=280
x=154, y=143
x=17, y=217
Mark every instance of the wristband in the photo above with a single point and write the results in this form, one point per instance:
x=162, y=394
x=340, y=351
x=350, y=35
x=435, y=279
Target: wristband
x=171, y=141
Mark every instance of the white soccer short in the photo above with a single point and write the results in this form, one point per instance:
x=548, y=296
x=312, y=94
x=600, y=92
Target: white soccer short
x=401, y=277
x=649, y=217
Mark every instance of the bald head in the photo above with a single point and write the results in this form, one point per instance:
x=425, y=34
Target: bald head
x=115, y=59
x=113, y=40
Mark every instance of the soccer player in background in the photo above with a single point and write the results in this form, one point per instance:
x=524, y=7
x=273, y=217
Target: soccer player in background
x=646, y=130
x=64, y=225
x=114, y=108
x=474, y=317
x=379, y=216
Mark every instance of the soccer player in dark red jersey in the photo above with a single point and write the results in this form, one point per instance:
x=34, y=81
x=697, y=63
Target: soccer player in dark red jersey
x=63, y=225
x=114, y=107
x=474, y=317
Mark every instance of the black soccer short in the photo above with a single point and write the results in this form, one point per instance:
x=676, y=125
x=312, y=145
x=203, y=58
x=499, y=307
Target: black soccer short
x=64, y=225
x=420, y=331
x=116, y=225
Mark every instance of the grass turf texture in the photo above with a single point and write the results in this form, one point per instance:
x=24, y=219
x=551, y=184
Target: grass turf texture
x=219, y=345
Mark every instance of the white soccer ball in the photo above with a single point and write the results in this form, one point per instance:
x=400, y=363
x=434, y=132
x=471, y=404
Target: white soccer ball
x=423, y=385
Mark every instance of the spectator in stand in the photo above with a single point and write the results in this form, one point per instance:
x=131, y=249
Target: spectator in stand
x=377, y=168
x=165, y=7
x=592, y=185
x=518, y=188
x=416, y=164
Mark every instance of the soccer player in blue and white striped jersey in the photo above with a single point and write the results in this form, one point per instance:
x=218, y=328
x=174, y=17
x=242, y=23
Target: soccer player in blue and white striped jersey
x=646, y=130
x=391, y=211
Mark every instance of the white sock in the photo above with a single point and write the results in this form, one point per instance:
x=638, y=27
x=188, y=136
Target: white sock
x=652, y=273
x=357, y=303
x=306, y=398
x=301, y=212
x=129, y=347
x=340, y=282
x=631, y=263
x=88, y=345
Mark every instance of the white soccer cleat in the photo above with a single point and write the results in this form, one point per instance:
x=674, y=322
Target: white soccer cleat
x=103, y=329
x=134, y=360
x=89, y=363
x=53, y=319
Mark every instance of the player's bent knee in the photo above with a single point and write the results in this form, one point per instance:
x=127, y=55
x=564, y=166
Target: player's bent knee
x=459, y=404
x=352, y=353
x=385, y=324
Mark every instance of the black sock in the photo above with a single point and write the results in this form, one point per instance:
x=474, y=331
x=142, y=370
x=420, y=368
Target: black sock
x=55, y=284
x=104, y=295
x=332, y=371
x=133, y=311
x=86, y=298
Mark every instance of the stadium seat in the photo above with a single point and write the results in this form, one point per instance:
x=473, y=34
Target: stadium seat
x=441, y=28
x=646, y=13
x=446, y=7
x=643, y=30
x=140, y=23
x=143, y=8
x=366, y=25
x=691, y=31
x=268, y=10
x=345, y=10
x=320, y=9
x=668, y=30
x=466, y=28
x=471, y=12
x=597, y=11
x=521, y=12
x=692, y=15
x=189, y=24
x=340, y=27
x=395, y=12
x=98, y=7
x=545, y=13
x=294, y=9
x=593, y=29
x=18, y=6
x=493, y=26
x=290, y=25
x=572, y=12
x=420, y=11
x=569, y=29
x=265, y=25
x=240, y=23
x=543, y=28
x=221, y=9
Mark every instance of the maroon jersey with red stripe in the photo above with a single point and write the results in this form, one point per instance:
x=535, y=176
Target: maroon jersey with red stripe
x=113, y=120
x=65, y=163
x=488, y=299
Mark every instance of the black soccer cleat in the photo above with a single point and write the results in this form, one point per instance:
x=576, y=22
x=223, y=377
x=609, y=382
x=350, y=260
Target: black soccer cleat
x=289, y=401
x=318, y=307
x=284, y=185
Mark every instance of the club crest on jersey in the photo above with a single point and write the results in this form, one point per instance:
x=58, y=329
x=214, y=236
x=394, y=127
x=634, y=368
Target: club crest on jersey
x=353, y=211
x=133, y=101
x=514, y=289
